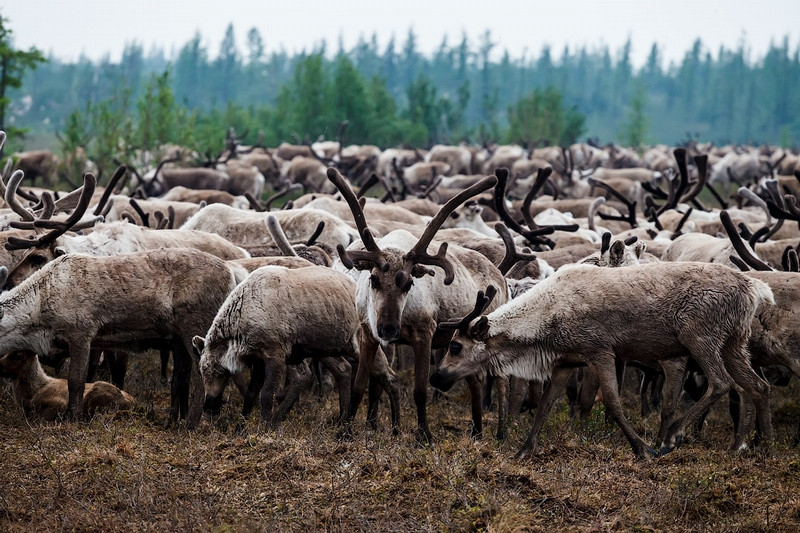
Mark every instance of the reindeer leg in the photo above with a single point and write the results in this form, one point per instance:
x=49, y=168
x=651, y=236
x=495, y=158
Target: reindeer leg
x=119, y=367
x=79, y=351
x=341, y=370
x=476, y=406
x=373, y=402
x=422, y=370
x=272, y=373
x=368, y=349
x=719, y=382
x=300, y=377
x=257, y=376
x=502, y=406
x=674, y=370
x=382, y=372
x=588, y=393
x=185, y=381
x=553, y=391
x=94, y=363
x=607, y=376
x=573, y=390
x=516, y=396
x=756, y=390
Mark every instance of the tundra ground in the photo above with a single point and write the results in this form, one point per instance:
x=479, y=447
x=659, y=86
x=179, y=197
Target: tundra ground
x=126, y=472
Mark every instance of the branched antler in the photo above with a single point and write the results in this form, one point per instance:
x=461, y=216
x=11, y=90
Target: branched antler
x=512, y=256
x=481, y=303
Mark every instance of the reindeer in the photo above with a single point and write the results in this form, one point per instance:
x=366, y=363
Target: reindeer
x=280, y=316
x=46, y=397
x=38, y=163
x=585, y=315
x=156, y=298
x=246, y=228
x=399, y=299
x=109, y=239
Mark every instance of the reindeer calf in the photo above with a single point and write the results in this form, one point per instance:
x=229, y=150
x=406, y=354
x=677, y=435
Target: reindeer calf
x=47, y=397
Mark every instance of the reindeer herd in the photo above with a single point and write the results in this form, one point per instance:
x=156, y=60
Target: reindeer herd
x=525, y=272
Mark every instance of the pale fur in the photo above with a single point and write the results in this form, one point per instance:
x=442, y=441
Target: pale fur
x=275, y=312
x=124, y=238
x=588, y=315
x=247, y=227
x=130, y=302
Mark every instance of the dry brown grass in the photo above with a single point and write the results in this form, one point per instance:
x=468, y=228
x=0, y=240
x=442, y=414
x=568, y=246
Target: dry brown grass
x=128, y=473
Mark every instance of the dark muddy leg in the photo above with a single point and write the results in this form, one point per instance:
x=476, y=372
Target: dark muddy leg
x=553, y=391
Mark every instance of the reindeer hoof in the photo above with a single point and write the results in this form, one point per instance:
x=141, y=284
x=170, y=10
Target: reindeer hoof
x=344, y=434
x=424, y=438
x=524, y=453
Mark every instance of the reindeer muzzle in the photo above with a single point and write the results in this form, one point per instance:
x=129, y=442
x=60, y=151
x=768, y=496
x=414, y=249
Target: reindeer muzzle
x=443, y=379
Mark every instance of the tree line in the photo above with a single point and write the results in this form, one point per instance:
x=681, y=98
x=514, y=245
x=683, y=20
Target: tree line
x=395, y=94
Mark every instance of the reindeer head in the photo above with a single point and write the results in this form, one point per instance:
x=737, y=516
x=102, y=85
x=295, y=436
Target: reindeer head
x=15, y=364
x=215, y=377
x=393, y=269
x=467, y=338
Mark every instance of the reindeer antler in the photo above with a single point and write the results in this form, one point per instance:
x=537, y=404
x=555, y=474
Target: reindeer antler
x=419, y=252
x=481, y=303
x=89, y=183
x=739, y=245
x=372, y=254
x=512, y=256
x=121, y=170
x=11, y=196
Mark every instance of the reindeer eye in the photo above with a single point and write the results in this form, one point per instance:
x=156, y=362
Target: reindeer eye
x=454, y=215
x=37, y=260
x=455, y=348
x=374, y=282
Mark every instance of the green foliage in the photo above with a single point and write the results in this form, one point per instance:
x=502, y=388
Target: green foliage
x=157, y=114
x=542, y=117
x=634, y=129
x=13, y=65
x=350, y=102
x=398, y=95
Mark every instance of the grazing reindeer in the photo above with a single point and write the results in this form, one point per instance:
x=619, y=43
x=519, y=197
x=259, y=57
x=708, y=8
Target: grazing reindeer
x=588, y=316
x=400, y=299
x=274, y=317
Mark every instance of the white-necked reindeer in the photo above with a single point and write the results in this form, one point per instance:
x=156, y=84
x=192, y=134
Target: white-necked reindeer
x=585, y=315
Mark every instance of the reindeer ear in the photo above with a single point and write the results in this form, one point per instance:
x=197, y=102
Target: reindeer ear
x=480, y=329
x=198, y=343
x=616, y=252
x=639, y=249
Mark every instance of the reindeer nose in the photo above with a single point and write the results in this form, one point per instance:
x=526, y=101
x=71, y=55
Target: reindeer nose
x=388, y=332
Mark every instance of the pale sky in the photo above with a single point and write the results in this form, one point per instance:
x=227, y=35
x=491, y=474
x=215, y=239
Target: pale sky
x=99, y=27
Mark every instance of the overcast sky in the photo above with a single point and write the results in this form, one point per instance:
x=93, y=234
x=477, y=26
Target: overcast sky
x=96, y=28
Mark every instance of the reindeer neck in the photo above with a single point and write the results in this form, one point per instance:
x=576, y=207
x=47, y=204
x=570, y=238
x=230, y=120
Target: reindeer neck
x=30, y=381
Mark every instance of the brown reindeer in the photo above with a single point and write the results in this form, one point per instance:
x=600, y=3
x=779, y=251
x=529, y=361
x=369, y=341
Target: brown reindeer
x=46, y=397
